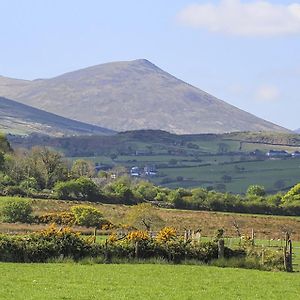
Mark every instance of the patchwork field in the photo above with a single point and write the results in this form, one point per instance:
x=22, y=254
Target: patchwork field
x=142, y=281
x=229, y=162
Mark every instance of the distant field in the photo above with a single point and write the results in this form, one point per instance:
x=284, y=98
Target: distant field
x=142, y=281
x=221, y=162
x=213, y=171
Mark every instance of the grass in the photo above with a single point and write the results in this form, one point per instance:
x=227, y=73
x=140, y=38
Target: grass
x=265, y=226
x=196, y=172
x=142, y=281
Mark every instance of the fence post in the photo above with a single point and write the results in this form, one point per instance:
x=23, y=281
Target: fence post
x=185, y=236
x=136, y=250
x=106, y=255
x=288, y=253
x=290, y=257
x=221, y=248
x=95, y=234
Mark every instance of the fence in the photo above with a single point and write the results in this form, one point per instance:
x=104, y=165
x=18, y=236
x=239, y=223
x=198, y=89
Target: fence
x=289, y=249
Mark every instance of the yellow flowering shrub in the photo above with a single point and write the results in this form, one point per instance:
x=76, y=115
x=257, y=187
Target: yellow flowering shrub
x=112, y=238
x=138, y=235
x=166, y=234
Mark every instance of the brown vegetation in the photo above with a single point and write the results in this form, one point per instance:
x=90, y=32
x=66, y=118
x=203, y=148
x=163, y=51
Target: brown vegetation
x=265, y=227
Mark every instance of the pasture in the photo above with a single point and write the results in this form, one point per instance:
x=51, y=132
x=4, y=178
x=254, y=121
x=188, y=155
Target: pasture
x=142, y=281
x=224, y=172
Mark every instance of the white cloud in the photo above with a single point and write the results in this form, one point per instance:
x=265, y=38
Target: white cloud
x=233, y=17
x=267, y=93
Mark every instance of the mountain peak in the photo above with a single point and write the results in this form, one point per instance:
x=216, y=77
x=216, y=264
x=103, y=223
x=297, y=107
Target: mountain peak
x=133, y=95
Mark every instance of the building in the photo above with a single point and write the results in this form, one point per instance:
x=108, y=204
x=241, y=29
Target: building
x=277, y=154
x=296, y=154
x=135, y=172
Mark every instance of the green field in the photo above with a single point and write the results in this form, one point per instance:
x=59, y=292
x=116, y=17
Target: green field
x=142, y=281
x=221, y=162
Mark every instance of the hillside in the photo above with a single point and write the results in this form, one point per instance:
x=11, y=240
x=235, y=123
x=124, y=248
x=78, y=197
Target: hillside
x=132, y=95
x=17, y=118
x=227, y=162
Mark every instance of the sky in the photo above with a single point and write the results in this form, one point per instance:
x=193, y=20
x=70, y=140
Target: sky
x=246, y=53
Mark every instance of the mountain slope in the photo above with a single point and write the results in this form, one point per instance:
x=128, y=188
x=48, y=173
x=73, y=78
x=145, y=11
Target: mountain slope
x=17, y=118
x=133, y=95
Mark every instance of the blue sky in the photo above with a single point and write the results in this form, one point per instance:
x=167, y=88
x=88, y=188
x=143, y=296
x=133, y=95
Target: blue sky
x=246, y=53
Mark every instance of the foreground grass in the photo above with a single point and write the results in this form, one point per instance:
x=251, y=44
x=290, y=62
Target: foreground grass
x=76, y=281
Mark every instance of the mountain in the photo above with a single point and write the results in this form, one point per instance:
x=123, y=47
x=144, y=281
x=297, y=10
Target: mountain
x=17, y=118
x=132, y=95
x=297, y=130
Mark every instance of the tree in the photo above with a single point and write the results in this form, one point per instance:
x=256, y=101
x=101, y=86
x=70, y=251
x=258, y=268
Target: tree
x=292, y=194
x=46, y=166
x=88, y=216
x=256, y=190
x=16, y=210
x=82, y=167
x=146, y=190
x=77, y=189
x=144, y=216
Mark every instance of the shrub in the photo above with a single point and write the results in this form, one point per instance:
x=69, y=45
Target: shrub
x=256, y=190
x=87, y=216
x=166, y=234
x=77, y=189
x=14, y=191
x=42, y=246
x=16, y=210
x=62, y=218
x=137, y=236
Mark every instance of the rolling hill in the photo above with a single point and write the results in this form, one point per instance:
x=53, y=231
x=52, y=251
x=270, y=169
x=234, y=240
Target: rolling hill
x=17, y=118
x=133, y=95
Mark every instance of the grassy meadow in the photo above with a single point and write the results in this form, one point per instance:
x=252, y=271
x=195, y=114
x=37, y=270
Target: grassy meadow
x=265, y=226
x=142, y=281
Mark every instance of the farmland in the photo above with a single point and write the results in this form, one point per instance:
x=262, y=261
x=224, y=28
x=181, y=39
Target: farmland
x=228, y=162
x=142, y=281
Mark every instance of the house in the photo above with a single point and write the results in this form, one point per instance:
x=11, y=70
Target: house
x=150, y=171
x=277, y=154
x=296, y=154
x=135, y=172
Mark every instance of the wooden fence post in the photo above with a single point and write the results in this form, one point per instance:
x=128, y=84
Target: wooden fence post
x=288, y=254
x=221, y=248
x=185, y=236
x=106, y=255
x=136, y=250
x=252, y=237
x=95, y=234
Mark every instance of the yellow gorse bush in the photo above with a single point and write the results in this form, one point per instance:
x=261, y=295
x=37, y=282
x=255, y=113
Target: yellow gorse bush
x=61, y=218
x=136, y=236
x=112, y=238
x=52, y=231
x=166, y=234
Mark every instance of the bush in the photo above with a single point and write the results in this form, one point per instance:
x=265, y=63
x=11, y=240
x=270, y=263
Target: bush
x=47, y=244
x=77, y=189
x=16, y=210
x=14, y=191
x=62, y=218
x=88, y=216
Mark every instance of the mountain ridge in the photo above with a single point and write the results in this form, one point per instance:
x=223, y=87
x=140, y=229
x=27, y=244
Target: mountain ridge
x=18, y=118
x=133, y=95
